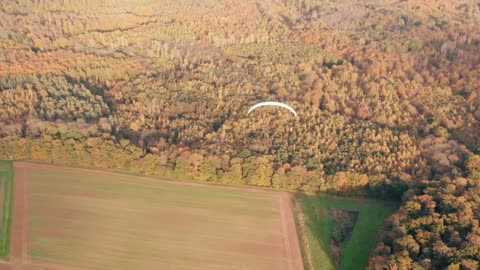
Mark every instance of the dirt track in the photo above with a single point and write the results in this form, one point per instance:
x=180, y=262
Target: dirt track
x=291, y=240
x=18, y=258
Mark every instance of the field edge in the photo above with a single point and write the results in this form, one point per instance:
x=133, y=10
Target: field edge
x=302, y=234
x=7, y=207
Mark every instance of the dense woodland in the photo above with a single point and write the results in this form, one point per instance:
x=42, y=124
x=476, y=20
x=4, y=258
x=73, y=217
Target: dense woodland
x=387, y=95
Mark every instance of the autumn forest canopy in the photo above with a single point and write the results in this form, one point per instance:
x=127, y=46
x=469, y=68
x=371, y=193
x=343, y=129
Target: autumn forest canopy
x=387, y=95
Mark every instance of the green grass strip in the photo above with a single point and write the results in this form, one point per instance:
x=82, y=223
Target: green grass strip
x=319, y=227
x=6, y=180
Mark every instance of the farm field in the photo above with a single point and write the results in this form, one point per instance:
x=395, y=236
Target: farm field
x=319, y=227
x=86, y=219
x=6, y=199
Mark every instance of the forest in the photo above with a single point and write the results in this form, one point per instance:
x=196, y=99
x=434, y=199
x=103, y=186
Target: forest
x=387, y=95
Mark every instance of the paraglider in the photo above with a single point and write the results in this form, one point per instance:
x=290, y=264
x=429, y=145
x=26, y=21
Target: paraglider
x=272, y=103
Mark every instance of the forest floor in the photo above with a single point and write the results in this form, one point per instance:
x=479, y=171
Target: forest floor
x=341, y=232
x=87, y=219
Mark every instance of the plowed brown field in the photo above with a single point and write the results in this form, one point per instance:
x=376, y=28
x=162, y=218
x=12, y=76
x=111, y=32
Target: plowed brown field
x=67, y=218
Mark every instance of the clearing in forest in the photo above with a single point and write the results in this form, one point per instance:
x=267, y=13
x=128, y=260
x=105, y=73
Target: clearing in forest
x=6, y=198
x=340, y=233
x=86, y=219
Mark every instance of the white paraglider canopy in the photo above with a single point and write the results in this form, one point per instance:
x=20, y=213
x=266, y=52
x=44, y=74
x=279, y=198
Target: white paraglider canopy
x=272, y=103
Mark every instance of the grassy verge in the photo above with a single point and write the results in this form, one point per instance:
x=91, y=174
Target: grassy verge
x=302, y=236
x=319, y=226
x=6, y=182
